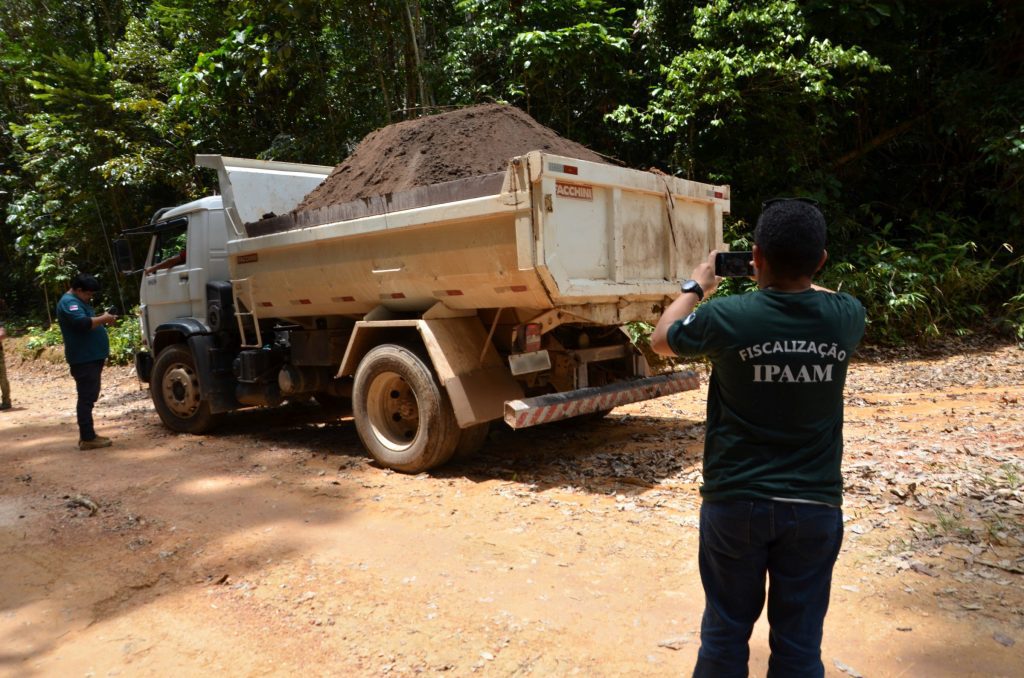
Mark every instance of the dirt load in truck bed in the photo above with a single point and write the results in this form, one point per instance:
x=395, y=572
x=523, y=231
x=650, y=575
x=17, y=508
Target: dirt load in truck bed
x=463, y=143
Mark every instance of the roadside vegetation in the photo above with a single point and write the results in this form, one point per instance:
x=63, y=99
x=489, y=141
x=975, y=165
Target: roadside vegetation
x=902, y=119
x=125, y=338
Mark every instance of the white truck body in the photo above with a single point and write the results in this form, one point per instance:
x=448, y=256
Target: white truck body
x=508, y=291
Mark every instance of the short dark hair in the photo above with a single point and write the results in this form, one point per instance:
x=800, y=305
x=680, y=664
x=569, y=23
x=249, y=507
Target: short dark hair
x=85, y=282
x=791, y=235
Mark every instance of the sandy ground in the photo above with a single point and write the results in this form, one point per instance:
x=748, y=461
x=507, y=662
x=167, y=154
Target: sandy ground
x=277, y=546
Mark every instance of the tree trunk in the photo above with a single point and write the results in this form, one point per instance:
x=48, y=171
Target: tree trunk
x=414, y=45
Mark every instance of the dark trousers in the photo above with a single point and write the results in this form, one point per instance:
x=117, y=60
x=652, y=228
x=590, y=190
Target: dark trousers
x=741, y=542
x=87, y=383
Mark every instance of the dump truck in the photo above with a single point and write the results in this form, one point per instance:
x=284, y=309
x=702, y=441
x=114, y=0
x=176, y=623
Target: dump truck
x=426, y=314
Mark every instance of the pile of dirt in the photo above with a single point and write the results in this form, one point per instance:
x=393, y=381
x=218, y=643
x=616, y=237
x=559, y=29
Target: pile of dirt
x=463, y=143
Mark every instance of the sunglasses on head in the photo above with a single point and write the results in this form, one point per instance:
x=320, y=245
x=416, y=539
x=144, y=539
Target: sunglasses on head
x=809, y=201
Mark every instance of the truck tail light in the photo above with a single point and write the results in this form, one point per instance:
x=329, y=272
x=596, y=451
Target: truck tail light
x=532, y=342
x=528, y=337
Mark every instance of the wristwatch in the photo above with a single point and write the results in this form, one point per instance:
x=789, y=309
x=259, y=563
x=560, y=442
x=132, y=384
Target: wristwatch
x=693, y=286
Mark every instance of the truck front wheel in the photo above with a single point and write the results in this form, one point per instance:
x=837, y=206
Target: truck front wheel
x=402, y=414
x=174, y=387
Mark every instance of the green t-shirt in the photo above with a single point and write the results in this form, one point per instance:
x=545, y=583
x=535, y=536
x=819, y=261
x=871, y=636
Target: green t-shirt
x=83, y=343
x=775, y=398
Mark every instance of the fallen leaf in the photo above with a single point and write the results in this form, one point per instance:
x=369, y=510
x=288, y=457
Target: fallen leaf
x=847, y=669
x=1003, y=639
x=675, y=642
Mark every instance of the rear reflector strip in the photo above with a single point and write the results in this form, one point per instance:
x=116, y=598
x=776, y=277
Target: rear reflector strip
x=343, y=298
x=564, y=169
x=546, y=408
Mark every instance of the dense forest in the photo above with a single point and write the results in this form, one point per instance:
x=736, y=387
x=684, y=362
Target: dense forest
x=903, y=118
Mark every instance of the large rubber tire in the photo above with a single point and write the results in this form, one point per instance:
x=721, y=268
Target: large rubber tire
x=402, y=414
x=174, y=387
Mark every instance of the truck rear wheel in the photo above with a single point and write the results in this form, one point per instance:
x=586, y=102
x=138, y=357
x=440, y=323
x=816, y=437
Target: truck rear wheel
x=174, y=387
x=402, y=414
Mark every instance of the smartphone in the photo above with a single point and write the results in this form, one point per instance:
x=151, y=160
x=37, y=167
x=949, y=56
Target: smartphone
x=734, y=264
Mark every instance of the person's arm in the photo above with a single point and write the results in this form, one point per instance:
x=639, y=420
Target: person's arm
x=102, y=319
x=74, y=318
x=170, y=262
x=155, y=267
x=684, y=304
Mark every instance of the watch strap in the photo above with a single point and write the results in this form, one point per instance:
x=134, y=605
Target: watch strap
x=693, y=286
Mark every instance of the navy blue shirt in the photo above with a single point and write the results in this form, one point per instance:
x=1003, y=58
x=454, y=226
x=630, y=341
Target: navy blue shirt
x=83, y=343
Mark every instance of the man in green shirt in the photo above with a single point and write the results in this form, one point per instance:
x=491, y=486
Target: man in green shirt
x=773, y=445
x=86, y=347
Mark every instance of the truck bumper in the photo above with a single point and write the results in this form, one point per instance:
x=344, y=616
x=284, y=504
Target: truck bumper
x=546, y=408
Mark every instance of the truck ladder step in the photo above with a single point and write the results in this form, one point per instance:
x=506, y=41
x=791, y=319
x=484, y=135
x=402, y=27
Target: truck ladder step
x=239, y=288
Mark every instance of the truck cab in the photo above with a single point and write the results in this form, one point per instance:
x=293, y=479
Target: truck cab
x=171, y=288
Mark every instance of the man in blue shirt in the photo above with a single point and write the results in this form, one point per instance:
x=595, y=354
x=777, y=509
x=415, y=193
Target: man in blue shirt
x=86, y=347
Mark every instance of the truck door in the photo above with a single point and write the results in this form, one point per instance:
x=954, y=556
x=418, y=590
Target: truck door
x=166, y=289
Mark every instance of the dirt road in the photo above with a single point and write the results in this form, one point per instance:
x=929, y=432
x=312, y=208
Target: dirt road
x=277, y=546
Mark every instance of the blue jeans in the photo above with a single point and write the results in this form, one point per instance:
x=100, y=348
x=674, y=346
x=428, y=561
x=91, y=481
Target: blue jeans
x=795, y=545
x=87, y=383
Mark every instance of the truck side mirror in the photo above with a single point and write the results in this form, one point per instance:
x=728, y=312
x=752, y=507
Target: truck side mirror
x=123, y=256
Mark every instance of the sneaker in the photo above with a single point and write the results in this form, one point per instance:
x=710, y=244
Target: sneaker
x=95, y=443
x=6, y=405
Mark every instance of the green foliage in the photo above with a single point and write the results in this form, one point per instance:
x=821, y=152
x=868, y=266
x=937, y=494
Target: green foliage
x=758, y=71
x=891, y=113
x=125, y=338
x=923, y=289
x=43, y=337
x=305, y=80
x=57, y=148
x=1015, y=315
x=639, y=332
x=563, y=61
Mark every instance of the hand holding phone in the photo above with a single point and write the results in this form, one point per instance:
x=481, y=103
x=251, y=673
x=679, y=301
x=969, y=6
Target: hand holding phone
x=734, y=264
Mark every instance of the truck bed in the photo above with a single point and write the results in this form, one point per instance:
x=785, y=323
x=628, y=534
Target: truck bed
x=595, y=240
